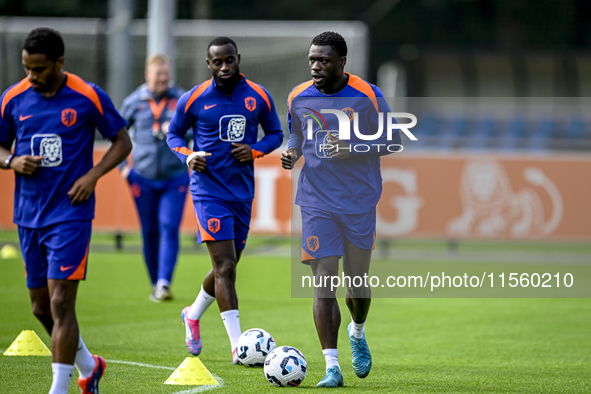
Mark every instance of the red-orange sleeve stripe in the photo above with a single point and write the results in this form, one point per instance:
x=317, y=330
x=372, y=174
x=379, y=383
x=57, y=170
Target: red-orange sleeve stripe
x=256, y=154
x=183, y=150
x=200, y=89
x=77, y=84
x=359, y=84
x=297, y=90
x=15, y=91
x=260, y=91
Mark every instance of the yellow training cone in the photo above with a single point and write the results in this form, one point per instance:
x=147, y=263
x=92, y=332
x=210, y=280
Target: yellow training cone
x=8, y=252
x=27, y=344
x=191, y=372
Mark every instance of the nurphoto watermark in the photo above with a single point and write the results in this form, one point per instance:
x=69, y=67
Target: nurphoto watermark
x=345, y=118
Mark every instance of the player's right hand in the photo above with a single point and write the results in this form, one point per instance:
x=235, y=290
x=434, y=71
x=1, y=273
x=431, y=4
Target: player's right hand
x=25, y=164
x=288, y=158
x=198, y=163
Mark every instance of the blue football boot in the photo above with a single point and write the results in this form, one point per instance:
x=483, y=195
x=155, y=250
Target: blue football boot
x=333, y=378
x=360, y=354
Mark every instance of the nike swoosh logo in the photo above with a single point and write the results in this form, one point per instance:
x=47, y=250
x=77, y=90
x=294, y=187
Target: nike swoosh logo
x=209, y=106
x=62, y=268
x=21, y=118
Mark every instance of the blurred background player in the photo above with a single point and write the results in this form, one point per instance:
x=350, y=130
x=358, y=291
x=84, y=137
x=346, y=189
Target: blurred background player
x=338, y=218
x=224, y=113
x=158, y=181
x=52, y=116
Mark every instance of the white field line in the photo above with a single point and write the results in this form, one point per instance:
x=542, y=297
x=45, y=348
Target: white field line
x=140, y=364
x=192, y=390
x=200, y=389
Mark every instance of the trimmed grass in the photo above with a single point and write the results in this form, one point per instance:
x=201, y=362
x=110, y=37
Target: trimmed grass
x=418, y=345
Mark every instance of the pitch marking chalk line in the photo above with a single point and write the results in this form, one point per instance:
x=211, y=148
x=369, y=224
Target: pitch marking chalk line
x=140, y=364
x=189, y=391
x=193, y=390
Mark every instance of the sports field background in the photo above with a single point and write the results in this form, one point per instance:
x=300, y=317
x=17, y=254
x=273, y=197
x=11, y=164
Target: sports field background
x=418, y=345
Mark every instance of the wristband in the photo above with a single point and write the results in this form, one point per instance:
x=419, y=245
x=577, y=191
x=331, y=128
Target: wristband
x=192, y=155
x=8, y=160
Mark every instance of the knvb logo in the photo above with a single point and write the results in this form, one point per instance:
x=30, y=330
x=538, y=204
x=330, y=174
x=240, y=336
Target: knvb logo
x=313, y=243
x=346, y=116
x=69, y=117
x=250, y=103
x=213, y=225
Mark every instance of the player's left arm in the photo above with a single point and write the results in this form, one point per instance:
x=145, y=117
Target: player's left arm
x=112, y=126
x=272, y=139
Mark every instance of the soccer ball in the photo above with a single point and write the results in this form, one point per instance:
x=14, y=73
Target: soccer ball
x=253, y=347
x=285, y=366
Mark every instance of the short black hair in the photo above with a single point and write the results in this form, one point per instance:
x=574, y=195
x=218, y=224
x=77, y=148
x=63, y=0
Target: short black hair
x=45, y=41
x=335, y=40
x=218, y=41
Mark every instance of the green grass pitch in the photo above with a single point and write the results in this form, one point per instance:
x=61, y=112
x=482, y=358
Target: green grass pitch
x=418, y=345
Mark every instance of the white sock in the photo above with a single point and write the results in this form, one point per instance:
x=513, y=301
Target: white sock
x=62, y=374
x=161, y=283
x=232, y=322
x=202, y=302
x=331, y=356
x=357, y=329
x=84, y=361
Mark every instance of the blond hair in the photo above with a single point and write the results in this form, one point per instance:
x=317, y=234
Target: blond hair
x=157, y=59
